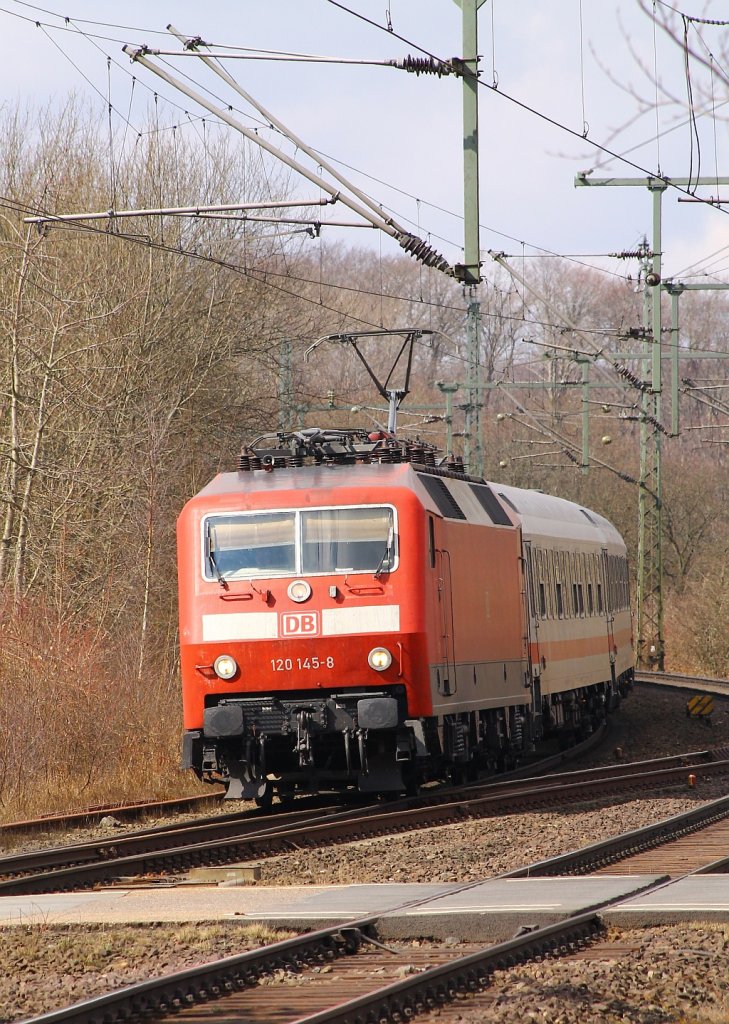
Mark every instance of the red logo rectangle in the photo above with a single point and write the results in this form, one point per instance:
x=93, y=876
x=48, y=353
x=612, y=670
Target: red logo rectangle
x=300, y=624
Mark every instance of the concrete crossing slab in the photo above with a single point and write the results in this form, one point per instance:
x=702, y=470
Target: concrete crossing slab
x=492, y=910
x=695, y=898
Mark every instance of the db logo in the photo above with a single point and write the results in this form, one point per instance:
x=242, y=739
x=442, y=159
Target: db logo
x=300, y=624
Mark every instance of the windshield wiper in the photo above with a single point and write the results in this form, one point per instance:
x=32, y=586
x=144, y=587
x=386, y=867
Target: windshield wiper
x=387, y=555
x=214, y=562
x=221, y=579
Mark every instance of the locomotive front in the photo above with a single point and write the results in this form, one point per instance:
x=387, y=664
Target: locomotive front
x=301, y=627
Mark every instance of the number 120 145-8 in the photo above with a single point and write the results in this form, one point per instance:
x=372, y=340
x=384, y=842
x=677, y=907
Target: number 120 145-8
x=289, y=664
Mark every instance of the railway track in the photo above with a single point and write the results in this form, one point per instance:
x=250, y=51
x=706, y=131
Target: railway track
x=210, y=828
x=348, y=978
x=344, y=975
x=696, y=842
x=121, y=811
x=684, y=682
x=169, y=851
x=232, y=989
x=133, y=811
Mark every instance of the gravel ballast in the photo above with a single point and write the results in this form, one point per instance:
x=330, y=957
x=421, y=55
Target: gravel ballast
x=640, y=976
x=651, y=723
x=49, y=967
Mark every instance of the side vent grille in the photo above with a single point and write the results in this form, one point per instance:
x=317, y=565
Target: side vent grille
x=444, y=500
x=490, y=505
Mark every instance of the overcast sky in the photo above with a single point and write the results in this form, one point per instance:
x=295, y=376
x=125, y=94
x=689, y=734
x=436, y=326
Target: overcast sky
x=575, y=63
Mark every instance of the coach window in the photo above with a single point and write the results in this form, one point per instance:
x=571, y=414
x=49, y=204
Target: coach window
x=542, y=572
x=551, y=600
x=560, y=607
x=591, y=574
x=543, y=584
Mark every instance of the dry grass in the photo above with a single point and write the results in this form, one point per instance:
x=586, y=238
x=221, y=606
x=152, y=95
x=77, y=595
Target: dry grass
x=80, y=728
x=696, y=625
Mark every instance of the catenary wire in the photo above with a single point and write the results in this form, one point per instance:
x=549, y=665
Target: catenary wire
x=529, y=109
x=599, y=269
x=175, y=105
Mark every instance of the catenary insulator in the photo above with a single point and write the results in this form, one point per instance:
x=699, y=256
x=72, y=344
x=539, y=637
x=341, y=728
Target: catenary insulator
x=423, y=66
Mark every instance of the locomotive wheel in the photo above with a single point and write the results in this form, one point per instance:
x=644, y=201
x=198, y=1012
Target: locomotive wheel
x=265, y=799
x=413, y=784
x=455, y=775
x=567, y=738
x=286, y=793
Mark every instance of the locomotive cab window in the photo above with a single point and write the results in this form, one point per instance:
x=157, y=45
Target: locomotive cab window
x=348, y=540
x=291, y=543
x=241, y=546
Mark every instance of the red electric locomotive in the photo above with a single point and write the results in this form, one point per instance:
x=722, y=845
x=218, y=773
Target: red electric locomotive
x=352, y=615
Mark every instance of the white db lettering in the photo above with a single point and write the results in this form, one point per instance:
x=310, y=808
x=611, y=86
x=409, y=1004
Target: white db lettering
x=300, y=624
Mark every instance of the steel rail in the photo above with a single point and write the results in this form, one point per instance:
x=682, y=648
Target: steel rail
x=139, y=808
x=347, y=828
x=542, y=765
x=609, y=851
x=171, y=993
x=440, y=985
x=464, y=975
x=681, y=681
x=162, y=838
x=119, y=810
x=198, y=984
x=247, y=822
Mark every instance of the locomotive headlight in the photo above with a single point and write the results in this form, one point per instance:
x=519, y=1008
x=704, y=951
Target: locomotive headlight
x=379, y=659
x=225, y=666
x=299, y=591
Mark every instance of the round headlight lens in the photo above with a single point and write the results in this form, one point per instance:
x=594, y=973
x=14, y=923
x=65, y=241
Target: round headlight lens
x=379, y=659
x=299, y=591
x=225, y=666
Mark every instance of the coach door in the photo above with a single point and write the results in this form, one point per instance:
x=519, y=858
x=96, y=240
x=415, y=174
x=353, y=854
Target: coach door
x=608, y=609
x=530, y=587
